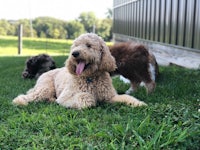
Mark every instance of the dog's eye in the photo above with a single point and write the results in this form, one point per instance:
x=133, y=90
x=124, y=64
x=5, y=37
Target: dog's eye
x=88, y=45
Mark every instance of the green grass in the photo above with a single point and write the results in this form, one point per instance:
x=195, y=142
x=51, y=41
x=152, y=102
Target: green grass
x=32, y=46
x=171, y=120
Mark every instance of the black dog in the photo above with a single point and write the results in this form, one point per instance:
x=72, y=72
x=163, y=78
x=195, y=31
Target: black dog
x=37, y=65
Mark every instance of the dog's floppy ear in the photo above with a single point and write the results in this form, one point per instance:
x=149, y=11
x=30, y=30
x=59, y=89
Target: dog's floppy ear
x=107, y=60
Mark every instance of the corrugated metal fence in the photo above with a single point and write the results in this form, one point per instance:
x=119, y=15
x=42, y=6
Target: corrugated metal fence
x=174, y=22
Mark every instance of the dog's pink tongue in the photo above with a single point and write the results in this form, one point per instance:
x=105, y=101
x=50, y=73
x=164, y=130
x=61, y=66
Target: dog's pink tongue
x=80, y=67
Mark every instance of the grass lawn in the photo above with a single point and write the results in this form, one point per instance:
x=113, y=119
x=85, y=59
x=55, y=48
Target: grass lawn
x=32, y=46
x=170, y=121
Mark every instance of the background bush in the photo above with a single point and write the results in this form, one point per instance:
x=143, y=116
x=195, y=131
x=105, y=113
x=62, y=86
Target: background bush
x=48, y=27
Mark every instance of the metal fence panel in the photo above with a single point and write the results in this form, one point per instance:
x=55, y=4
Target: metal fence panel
x=148, y=20
x=162, y=21
x=135, y=19
x=152, y=31
x=174, y=22
x=168, y=21
x=181, y=22
x=189, y=23
x=138, y=18
x=129, y=19
x=197, y=26
x=144, y=19
x=157, y=20
x=132, y=20
x=121, y=14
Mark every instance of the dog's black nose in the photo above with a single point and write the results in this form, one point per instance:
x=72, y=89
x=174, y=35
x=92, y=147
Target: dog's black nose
x=75, y=54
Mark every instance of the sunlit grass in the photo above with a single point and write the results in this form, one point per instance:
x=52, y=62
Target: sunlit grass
x=11, y=51
x=36, y=39
x=34, y=46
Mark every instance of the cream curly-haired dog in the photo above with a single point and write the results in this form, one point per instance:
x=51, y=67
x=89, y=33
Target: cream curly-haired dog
x=84, y=81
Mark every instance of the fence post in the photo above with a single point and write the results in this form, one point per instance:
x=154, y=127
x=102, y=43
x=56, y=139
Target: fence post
x=20, y=34
x=93, y=28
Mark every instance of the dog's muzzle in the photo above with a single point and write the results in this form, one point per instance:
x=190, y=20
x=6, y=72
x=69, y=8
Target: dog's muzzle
x=27, y=75
x=75, y=54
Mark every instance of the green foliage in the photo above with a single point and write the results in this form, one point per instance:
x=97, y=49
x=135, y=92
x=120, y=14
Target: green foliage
x=104, y=29
x=48, y=27
x=6, y=28
x=88, y=19
x=26, y=28
x=170, y=121
x=109, y=13
x=74, y=29
x=2, y=31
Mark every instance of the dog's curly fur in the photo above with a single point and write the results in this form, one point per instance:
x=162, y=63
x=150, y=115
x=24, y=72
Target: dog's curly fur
x=135, y=63
x=37, y=65
x=84, y=81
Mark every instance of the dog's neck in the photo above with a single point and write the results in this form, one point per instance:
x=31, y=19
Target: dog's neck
x=92, y=78
x=89, y=79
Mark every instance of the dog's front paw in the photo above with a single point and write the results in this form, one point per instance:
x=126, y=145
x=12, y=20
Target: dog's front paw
x=20, y=100
x=138, y=103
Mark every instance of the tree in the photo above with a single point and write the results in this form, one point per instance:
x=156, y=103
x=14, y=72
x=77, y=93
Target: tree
x=88, y=19
x=48, y=27
x=55, y=33
x=104, y=29
x=74, y=29
x=26, y=28
x=109, y=13
x=2, y=31
x=51, y=27
x=41, y=25
x=6, y=28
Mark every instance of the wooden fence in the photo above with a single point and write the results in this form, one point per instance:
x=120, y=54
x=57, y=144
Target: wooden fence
x=173, y=22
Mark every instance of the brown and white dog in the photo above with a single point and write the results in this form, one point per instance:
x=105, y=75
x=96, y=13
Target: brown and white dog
x=135, y=63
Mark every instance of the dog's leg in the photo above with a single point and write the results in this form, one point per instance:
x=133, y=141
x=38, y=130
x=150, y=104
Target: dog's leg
x=150, y=86
x=34, y=95
x=132, y=88
x=152, y=71
x=43, y=90
x=129, y=91
x=76, y=100
x=125, y=80
x=129, y=100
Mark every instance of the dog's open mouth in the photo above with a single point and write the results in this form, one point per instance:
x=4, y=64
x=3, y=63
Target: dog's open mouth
x=81, y=66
